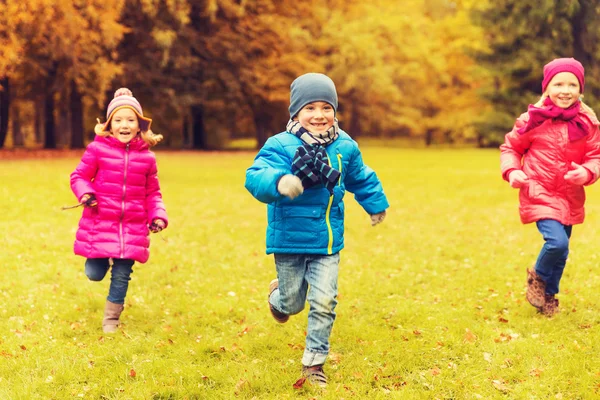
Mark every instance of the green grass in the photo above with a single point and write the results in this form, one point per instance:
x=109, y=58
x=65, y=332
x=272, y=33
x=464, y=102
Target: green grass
x=431, y=302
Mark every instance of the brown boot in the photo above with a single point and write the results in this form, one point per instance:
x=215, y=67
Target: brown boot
x=550, y=306
x=112, y=312
x=279, y=316
x=536, y=289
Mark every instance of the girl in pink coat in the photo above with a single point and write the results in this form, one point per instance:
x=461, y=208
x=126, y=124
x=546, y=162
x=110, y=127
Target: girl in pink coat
x=552, y=152
x=117, y=183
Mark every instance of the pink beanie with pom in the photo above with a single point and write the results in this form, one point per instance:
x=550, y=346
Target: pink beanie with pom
x=124, y=99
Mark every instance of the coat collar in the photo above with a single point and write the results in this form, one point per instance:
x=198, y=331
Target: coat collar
x=137, y=143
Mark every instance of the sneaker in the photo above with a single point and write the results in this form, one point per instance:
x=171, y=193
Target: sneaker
x=315, y=375
x=550, y=306
x=536, y=289
x=279, y=316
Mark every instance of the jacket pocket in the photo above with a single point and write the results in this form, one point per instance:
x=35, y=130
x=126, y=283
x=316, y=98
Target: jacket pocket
x=303, y=212
x=304, y=226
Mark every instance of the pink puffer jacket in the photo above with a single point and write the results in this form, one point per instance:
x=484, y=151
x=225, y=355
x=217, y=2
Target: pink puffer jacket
x=545, y=155
x=125, y=181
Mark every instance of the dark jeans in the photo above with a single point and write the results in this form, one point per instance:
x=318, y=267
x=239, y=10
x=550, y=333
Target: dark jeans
x=553, y=256
x=122, y=268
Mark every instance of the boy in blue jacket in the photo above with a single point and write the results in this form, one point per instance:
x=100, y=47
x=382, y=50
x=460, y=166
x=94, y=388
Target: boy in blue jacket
x=302, y=174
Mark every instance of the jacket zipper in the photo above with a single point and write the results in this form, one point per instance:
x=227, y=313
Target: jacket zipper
x=123, y=201
x=328, y=212
x=339, y=157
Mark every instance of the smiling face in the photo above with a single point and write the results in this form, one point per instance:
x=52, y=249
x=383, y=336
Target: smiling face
x=124, y=125
x=316, y=117
x=564, y=89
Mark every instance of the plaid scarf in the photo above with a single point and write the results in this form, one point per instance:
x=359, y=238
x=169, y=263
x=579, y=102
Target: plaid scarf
x=322, y=139
x=312, y=167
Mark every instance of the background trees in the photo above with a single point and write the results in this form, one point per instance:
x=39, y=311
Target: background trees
x=208, y=71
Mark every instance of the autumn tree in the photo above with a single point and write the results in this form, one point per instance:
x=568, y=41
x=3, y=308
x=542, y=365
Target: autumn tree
x=62, y=54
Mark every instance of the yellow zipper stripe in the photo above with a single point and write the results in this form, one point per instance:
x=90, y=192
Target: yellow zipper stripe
x=327, y=214
x=339, y=156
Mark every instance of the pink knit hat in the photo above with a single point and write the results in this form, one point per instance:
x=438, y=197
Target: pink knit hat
x=559, y=65
x=124, y=99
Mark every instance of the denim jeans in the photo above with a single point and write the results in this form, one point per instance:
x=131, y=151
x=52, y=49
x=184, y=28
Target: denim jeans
x=553, y=256
x=296, y=273
x=96, y=269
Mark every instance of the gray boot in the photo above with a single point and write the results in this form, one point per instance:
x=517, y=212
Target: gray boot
x=112, y=312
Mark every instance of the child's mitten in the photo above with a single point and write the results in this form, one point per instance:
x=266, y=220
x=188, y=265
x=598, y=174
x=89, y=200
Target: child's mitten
x=157, y=225
x=517, y=178
x=290, y=186
x=377, y=218
x=578, y=175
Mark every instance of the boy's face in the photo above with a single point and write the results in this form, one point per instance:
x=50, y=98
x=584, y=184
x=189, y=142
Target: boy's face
x=563, y=89
x=124, y=125
x=316, y=117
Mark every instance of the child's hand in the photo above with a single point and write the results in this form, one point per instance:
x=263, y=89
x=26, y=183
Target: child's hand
x=377, y=218
x=157, y=225
x=578, y=175
x=290, y=186
x=89, y=200
x=517, y=179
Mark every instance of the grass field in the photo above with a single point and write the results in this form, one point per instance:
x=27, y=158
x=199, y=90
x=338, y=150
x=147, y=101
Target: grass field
x=431, y=302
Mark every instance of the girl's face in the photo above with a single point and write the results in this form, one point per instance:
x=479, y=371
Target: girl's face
x=316, y=117
x=563, y=89
x=124, y=125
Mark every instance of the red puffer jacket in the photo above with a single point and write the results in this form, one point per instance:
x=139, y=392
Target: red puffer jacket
x=545, y=155
x=124, y=179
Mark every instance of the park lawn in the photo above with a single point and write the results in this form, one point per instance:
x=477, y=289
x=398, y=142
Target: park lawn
x=431, y=302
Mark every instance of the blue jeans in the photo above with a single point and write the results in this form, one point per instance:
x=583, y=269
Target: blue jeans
x=553, y=256
x=96, y=269
x=296, y=273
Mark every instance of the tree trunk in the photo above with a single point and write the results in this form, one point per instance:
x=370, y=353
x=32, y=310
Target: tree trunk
x=354, y=126
x=578, y=28
x=77, y=130
x=198, y=128
x=428, y=137
x=185, y=132
x=261, y=121
x=40, y=121
x=17, y=132
x=49, y=130
x=4, y=107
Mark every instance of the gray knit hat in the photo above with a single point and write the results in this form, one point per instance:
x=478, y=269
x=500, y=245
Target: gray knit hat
x=309, y=88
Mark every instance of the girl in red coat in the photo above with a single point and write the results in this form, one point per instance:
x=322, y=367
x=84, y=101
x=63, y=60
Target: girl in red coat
x=552, y=152
x=117, y=182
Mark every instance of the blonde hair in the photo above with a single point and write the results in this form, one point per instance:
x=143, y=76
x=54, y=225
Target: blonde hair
x=151, y=138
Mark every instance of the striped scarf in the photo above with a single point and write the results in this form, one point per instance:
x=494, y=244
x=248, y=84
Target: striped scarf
x=312, y=167
x=322, y=139
x=311, y=163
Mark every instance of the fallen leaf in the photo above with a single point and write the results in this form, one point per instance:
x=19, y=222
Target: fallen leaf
x=535, y=372
x=470, y=336
x=299, y=383
x=500, y=386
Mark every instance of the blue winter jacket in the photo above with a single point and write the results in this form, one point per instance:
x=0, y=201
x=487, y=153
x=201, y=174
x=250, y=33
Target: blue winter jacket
x=312, y=223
